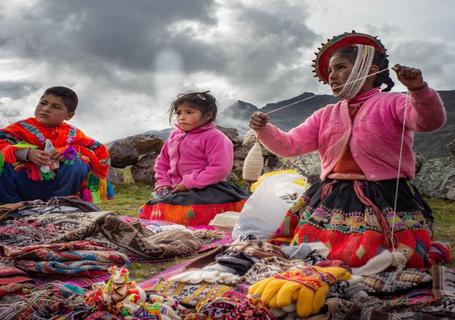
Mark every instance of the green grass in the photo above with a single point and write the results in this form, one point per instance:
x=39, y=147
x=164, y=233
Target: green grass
x=130, y=197
x=444, y=227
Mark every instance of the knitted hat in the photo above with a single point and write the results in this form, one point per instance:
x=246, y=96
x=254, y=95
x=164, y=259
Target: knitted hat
x=347, y=39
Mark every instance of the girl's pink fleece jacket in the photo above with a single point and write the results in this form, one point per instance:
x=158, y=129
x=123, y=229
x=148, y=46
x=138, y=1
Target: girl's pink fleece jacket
x=373, y=137
x=198, y=158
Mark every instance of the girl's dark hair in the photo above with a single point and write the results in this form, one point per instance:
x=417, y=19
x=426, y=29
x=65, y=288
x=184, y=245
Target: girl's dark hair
x=68, y=96
x=380, y=59
x=203, y=101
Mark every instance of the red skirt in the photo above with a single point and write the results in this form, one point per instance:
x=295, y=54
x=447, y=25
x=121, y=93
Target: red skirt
x=195, y=207
x=355, y=220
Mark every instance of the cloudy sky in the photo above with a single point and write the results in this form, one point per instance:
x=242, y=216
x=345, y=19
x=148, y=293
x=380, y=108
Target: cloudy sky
x=127, y=60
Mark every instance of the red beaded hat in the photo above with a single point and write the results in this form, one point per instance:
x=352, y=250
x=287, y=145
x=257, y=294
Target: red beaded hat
x=347, y=39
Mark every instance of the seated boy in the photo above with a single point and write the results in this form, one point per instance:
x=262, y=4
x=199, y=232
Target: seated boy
x=44, y=157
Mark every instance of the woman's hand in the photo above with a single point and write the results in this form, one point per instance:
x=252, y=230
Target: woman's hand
x=409, y=77
x=39, y=157
x=258, y=120
x=179, y=188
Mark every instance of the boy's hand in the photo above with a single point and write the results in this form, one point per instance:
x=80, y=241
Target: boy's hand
x=55, y=155
x=409, y=77
x=258, y=120
x=179, y=188
x=39, y=157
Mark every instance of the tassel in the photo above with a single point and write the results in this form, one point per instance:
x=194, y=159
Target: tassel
x=2, y=163
x=95, y=197
x=102, y=189
x=110, y=191
x=86, y=195
x=33, y=172
x=253, y=164
x=45, y=176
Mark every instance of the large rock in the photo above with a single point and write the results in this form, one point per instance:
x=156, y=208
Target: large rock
x=308, y=165
x=144, y=143
x=126, y=151
x=451, y=147
x=143, y=171
x=436, y=178
x=232, y=134
x=122, y=154
x=115, y=176
x=420, y=159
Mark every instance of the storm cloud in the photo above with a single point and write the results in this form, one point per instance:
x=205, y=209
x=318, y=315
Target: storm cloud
x=128, y=60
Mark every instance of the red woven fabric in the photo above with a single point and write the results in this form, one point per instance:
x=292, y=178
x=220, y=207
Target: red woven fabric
x=190, y=215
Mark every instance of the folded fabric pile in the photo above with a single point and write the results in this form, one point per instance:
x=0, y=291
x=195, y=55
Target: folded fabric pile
x=13, y=280
x=38, y=207
x=51, y=301
x=395, y=282
x=211, y=273
x=242, y=254
x=136, y=239
x=69, y=258
x=231, y=306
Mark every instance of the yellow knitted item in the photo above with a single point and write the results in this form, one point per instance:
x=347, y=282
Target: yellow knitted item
x=307, y=288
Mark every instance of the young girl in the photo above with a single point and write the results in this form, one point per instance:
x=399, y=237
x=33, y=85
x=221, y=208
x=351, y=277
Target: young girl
x=192, y=165
x=359, y=141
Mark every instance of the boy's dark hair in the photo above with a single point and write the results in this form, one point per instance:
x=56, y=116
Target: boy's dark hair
x=203, y=101
x=68, y=96
x=380, y=59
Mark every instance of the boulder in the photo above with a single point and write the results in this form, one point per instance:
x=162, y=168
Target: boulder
x=436, y=178
x=232, y=134
x=122, y=154
x=115, y=176
x=420, y=159
x=308, y=165
x=143, y=171
x=144, y=143
x=451, y=147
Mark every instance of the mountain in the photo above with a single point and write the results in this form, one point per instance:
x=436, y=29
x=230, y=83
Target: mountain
x=430, y=145
x=163, y=134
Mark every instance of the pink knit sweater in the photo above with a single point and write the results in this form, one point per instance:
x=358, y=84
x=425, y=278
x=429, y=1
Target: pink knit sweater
x=198, y=158
x=374, y=136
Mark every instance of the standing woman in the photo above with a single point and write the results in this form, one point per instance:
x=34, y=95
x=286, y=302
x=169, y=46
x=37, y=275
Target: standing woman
x=359, y=140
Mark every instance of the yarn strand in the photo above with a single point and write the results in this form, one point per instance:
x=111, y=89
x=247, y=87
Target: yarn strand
x=338, y=87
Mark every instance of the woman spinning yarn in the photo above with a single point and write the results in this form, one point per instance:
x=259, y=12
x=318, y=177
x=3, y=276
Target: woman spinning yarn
x=365, y=203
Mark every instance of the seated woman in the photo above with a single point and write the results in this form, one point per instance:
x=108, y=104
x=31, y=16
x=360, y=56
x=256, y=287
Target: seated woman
x=192, y=165
x=365, y=202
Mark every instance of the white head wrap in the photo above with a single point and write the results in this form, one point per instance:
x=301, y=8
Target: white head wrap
x=360, y=70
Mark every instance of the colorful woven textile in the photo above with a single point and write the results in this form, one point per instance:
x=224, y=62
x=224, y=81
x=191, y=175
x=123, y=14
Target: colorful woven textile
x=268, y=267
x=51, y=301
x=196, y=206
x=231, y=306
x=13, y=280
x=25, y=232
x=135, y=239
x=354, y=219
x=255, y=248
x=63, y=205
x=75, y=258
x=190, y=294
x=395, y=282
